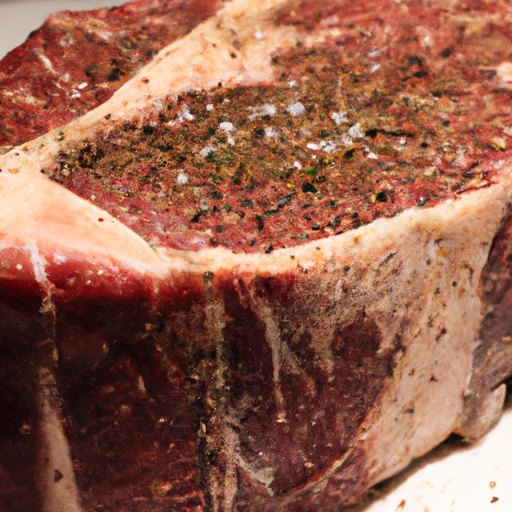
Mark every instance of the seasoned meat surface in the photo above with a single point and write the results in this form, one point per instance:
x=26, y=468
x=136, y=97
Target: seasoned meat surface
x=393, y=108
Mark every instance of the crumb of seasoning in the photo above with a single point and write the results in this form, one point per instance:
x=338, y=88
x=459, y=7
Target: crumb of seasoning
x=401, y=506
x=494, y=499
x=492, y=485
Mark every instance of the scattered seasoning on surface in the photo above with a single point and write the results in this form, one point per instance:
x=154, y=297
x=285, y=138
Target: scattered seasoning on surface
x=187, y=170
x=494, y=499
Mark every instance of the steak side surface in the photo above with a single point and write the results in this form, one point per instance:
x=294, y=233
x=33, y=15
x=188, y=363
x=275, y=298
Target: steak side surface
x=255, y=277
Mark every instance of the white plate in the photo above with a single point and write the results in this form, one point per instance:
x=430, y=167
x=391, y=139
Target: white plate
x=457, y=478
x=450, y=479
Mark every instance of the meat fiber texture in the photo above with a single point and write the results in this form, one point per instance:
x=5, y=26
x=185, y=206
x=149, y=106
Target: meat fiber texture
x=167, y=348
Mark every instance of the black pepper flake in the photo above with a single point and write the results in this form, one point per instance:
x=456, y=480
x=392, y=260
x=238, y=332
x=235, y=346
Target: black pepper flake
x=421, y=74
x=334, y=223
x=411, y=410
x=468, y=173
x=421, y=201
x=57, y=475
x=259, y=222
x=348, y=155
x=316, y=227
x=308, y=187
x=381, y=197
x=269, y=249
x=454, y=283
x=446, y=52
x=346, y=268
x=113, y=75
x=196, y=217
x=147, y=130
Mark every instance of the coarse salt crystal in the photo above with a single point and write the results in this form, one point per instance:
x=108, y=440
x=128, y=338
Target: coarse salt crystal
x=346, y=140
x=355, y=131
x=339, y=117
x=262, y=110
x=182, y=179
x=296, y=108
x=226, y=126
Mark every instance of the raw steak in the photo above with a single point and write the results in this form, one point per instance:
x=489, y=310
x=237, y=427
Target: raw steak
x=254, y=278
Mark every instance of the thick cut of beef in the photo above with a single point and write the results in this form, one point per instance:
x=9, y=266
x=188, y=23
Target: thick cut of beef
x=256, y=277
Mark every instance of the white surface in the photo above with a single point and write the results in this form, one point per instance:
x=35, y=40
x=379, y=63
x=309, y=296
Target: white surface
x=458, y=482
x=19, y=17
x=466, y=480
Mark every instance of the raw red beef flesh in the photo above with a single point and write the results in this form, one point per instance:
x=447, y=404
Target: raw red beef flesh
x=254, y=277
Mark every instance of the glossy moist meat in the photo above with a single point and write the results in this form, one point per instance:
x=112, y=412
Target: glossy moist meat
x=254, y=278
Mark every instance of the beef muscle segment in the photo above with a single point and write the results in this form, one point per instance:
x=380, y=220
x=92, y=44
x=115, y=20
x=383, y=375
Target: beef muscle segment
x=254, y=278
x=76, y=60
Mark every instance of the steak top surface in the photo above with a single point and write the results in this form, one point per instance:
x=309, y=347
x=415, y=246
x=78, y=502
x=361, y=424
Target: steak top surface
x=377, y=108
